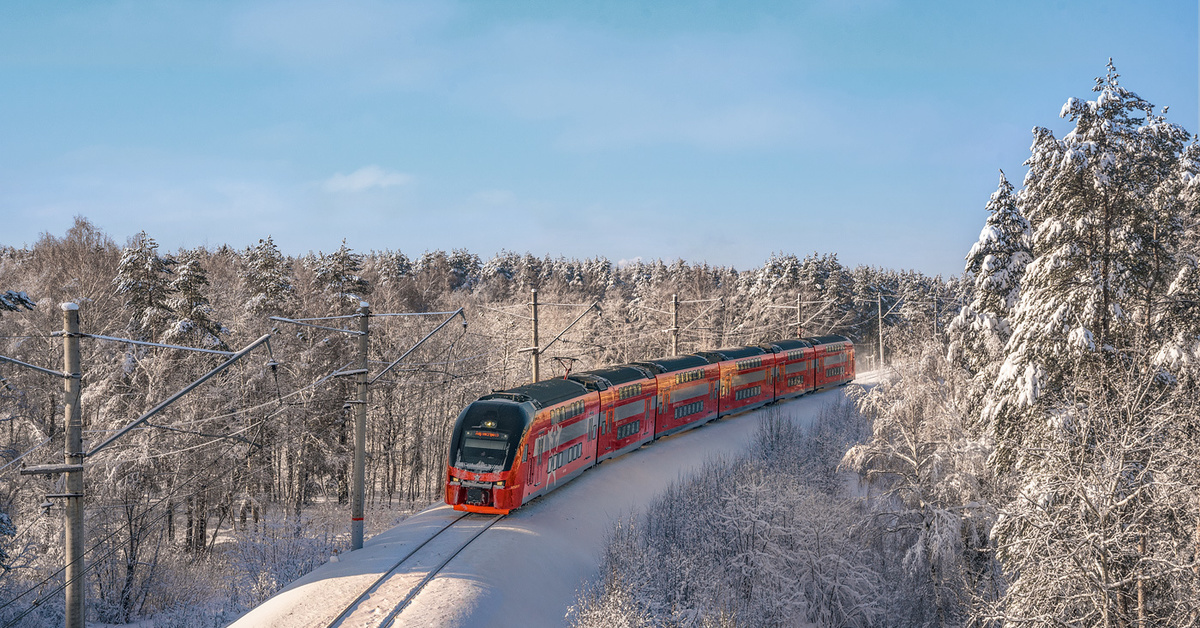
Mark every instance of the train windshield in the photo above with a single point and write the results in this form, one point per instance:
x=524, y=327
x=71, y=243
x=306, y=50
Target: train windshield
x=488, y=447
x=486, y=436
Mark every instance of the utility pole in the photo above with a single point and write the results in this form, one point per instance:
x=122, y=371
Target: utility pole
x=73, y=456
x=879, y=302
x=360, y=431
x=675, y=324
x=536, y=350
x=799, y=319
x=74, y=611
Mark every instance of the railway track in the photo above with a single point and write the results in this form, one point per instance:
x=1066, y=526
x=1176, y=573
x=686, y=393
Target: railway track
x=387, y=597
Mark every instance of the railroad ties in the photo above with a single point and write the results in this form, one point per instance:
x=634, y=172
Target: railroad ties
x=380, y=604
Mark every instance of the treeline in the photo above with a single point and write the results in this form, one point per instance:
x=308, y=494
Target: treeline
x=266, y=446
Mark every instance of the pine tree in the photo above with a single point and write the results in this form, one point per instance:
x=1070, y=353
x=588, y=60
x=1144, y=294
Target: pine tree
x=269, y=277
x=995, y=265
x=195, y=317
x=143, y=279
x=11, y=301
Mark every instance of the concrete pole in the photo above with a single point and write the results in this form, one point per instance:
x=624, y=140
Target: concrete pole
x=879, y=302
x=73, y=455
x=360, y=432
x=675, y=324
x=799, y=320
x=536, y=353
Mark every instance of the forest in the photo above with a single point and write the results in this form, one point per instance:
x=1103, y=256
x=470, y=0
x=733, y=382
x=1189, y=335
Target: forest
x=212, y=505
x=1033, y=463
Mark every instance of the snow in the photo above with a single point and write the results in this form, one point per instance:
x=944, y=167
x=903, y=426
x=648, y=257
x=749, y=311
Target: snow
x=527, y=569
x=67, y=307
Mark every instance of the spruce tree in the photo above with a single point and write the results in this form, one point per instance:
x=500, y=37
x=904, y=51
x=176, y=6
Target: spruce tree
x=143, y=279
x=994, y=268
x=194, y=316
x=269, y=277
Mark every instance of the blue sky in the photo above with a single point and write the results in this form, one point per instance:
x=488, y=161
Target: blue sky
x=708, y=130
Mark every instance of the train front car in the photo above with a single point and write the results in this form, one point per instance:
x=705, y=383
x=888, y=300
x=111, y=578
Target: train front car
x=834, y=363
x=511, y=446
x=487, y=437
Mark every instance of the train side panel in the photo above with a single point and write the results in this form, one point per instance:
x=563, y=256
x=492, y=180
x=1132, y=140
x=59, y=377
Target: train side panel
x=834, y=364
x=747, y=383
x=560, y=445
x=686, y=398
x=794, y=372
x=627, y=417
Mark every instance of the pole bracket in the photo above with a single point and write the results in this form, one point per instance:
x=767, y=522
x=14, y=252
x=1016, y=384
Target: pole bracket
x=47, y=469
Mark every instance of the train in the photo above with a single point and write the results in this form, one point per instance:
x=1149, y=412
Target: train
x=512, y=446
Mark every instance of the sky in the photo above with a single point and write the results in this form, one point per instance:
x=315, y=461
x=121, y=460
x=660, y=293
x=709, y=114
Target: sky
x=712, y=131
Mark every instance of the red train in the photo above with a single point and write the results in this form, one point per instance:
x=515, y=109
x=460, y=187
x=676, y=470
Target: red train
x=512, y=446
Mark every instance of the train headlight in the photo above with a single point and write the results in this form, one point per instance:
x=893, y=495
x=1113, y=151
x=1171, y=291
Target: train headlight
x=454, y=480
x=500, y=484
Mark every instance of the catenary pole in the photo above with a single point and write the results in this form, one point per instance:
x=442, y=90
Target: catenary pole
x=799, y=320
x=73, y=456
x=879, y=303
x=675, y=324
x=360, y=431
x=536, y=353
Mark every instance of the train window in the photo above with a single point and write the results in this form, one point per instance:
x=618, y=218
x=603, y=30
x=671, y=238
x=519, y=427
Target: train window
x=798, y=380
x=629, y=429
x=835, y=359
x=689, y=409
x=749, y=364
x=480, y=448
x=747, y=393
x=835, y=371
x=564, y=457
x=632, y=390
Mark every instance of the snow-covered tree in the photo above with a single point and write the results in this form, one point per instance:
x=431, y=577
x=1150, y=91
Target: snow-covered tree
x=338, y=274
x=194, y=317
x=11, y=301
x=143, y=279
x=995, y=265
x=1088, y=425
x=928, y=476
x=269, y=277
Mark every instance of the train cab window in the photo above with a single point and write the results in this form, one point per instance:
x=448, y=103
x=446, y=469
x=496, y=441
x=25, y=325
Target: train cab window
x=487, y=447
x=486, y=435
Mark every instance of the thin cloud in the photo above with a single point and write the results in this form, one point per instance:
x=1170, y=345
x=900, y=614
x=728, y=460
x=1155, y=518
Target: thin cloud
x=366, y=178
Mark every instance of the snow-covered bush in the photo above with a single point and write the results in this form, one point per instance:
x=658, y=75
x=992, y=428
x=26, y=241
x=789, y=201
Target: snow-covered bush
x=762, y=540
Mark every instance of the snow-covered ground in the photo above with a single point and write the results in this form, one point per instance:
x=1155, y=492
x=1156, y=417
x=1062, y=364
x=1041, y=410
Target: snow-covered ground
x=527, y=569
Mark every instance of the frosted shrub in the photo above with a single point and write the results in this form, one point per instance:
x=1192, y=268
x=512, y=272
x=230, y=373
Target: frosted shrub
x=756, y=541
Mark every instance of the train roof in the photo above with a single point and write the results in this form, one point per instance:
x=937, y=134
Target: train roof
x=620, y=374
x=790, y=343
x=733, y=353
x=825, y=340
x=672, y=364
x=544, y=393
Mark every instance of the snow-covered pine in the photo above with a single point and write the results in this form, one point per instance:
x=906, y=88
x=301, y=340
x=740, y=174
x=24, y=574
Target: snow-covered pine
x=994, y=268
x=269, y=279
x=1091, y=432
x=12, y=301
x=143, y=279
x=337, y=274
x=194, y=319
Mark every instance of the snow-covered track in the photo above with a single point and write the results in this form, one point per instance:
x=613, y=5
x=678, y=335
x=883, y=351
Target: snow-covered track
x=379, y=605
